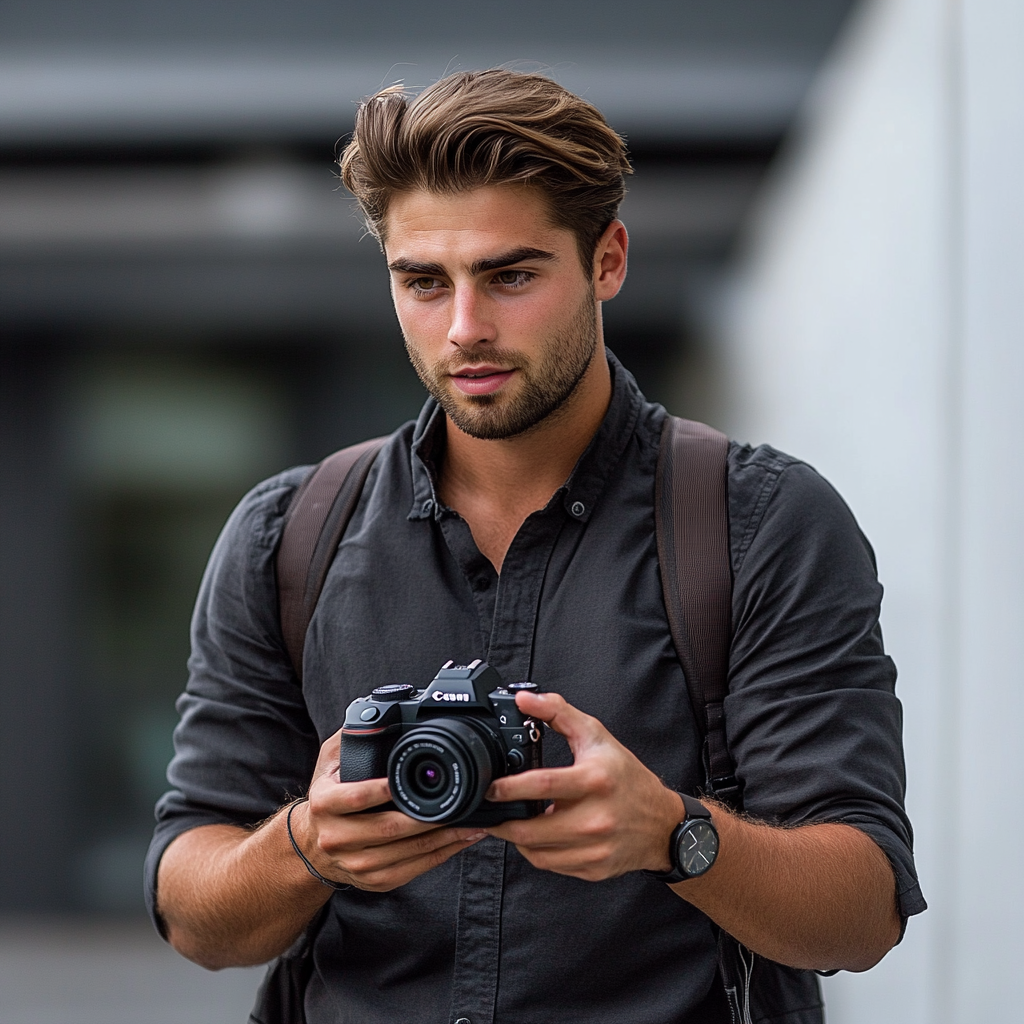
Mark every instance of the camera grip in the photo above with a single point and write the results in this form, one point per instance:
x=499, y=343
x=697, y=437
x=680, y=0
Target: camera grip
x=363, y=756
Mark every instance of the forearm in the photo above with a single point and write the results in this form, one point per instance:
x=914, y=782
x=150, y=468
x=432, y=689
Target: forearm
x=231, y=897
x=819, y=896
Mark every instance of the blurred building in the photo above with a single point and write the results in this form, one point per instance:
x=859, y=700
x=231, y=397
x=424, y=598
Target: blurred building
x=879, y=333
x=187, y=304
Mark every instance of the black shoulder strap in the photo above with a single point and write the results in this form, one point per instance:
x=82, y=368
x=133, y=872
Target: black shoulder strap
x=315, y=523
x=692, y=523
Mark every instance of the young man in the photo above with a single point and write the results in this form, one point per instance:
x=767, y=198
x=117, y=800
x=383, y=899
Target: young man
x=514, y=522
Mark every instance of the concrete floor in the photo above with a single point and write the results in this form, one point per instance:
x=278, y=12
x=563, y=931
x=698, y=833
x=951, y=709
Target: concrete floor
x=75, y=972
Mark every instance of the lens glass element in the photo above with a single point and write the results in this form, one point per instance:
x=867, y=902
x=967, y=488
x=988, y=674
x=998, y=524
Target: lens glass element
x=428, y=777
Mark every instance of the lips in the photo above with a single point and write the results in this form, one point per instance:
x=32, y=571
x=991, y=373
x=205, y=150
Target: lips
x=480, y=380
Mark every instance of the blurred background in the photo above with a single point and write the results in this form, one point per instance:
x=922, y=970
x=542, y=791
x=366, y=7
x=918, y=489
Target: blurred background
x=827, y=254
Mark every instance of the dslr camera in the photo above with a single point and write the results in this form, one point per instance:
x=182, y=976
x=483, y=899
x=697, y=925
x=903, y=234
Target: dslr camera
x=440, y=748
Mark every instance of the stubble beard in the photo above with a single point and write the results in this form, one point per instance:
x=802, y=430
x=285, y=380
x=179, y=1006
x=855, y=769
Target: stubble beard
x=541, y=391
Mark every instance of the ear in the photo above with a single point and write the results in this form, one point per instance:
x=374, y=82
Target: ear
x=610, y=261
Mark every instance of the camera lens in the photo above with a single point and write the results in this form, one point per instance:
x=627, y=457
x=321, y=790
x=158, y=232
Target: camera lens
x=428, y=776
x=439, y=772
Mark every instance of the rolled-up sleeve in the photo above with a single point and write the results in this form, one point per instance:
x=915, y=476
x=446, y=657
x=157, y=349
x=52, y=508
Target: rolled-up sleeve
x=813, y=720
x=245, y=743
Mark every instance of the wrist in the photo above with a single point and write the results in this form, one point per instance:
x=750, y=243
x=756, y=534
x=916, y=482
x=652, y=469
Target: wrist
x=294, y=809
x=670, y=813
x=693, y=844
x=273, y=836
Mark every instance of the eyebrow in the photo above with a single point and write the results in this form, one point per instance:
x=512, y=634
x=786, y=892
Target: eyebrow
x=404, y=266
x=506, y=259
x=499, y=262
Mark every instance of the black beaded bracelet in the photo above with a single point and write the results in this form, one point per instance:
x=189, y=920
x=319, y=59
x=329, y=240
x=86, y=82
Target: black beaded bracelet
x=309, y=867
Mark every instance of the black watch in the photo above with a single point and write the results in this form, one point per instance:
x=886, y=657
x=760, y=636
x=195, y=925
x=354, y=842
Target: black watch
x=693, y=846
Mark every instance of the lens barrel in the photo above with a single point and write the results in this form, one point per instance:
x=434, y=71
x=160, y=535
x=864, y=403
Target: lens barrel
x=440, y=771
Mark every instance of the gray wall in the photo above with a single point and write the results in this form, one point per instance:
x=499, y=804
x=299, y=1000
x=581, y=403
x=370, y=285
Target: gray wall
x=878, y=333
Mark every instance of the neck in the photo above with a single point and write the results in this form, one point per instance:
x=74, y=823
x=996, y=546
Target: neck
x=495, y=485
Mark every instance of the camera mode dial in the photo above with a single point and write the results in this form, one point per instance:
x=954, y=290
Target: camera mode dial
x=394, y=691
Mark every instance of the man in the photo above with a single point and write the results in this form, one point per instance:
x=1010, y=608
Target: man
x=514, y=522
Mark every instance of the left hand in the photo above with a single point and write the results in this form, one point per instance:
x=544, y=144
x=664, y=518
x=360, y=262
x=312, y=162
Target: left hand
x=610, y=814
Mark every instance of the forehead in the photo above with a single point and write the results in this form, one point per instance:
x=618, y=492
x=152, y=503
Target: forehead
x=472, y=223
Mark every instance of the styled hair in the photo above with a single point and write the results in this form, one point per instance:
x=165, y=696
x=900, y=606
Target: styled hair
x=496, y=127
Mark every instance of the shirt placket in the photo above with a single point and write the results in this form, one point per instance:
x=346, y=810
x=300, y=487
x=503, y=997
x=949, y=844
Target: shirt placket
x=511, y=602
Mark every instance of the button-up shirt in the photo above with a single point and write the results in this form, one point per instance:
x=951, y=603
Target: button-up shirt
x=812, y=718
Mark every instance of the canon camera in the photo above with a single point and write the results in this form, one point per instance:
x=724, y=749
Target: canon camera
x=440, y=748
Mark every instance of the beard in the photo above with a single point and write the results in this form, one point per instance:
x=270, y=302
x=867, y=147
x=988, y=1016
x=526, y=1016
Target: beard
x=542, y=387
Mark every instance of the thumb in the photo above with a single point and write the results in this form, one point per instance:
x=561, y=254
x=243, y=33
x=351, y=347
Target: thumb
x=580, y=729
x=329, y=758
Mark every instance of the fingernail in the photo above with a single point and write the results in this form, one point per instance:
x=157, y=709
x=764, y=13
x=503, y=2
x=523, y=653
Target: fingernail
x=475, y=837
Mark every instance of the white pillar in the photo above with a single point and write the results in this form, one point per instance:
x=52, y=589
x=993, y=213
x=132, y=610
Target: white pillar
x=989, y=918
x=879, y=333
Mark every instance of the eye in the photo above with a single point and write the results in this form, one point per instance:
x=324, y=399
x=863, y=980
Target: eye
x=425, y=285
x=513, y=278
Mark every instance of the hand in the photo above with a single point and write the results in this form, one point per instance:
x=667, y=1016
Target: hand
x=378, y=852
x=610, y=814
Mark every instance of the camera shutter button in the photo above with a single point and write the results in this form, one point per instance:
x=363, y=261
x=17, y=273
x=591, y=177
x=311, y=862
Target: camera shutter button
x=368, y=714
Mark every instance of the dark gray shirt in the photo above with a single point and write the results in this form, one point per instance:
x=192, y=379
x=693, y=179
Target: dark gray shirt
x=813, y=722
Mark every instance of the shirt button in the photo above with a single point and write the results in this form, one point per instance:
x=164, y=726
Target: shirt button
x=428, y=506
x=463, y=1020
x=578, y=508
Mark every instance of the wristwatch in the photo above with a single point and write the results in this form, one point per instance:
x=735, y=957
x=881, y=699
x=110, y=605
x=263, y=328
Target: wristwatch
x=693, y=846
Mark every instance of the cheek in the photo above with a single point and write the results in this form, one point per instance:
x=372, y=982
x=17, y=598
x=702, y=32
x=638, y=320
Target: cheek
x=423, y=323
x=524, y=318
x=548, y=315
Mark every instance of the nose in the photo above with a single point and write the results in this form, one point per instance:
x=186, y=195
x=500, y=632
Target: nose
x=470, y=323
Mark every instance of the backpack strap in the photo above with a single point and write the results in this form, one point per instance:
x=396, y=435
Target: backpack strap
x=314, y=525
x=692, y=526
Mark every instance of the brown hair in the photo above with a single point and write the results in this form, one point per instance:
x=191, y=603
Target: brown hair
x=496, y=127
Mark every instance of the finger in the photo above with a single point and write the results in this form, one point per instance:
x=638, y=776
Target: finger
x=336, y=805
x=328, y=796
x=578, y=728
x=580, y=848
x=329, y=757
x=357, y=831
x=369, y=859
x=572, y=783
x=592, y=864
x=565, y=830
x=385, y=879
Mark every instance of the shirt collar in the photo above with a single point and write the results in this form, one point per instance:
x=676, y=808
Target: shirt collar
x=587, y=481
x=428, y=443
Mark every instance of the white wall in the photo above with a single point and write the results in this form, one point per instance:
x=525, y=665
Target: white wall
x=877, y=332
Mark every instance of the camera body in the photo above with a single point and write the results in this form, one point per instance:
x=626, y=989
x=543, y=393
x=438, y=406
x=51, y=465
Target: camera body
x=441, y=747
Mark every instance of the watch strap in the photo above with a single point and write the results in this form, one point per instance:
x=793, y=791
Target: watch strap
x=694, y=808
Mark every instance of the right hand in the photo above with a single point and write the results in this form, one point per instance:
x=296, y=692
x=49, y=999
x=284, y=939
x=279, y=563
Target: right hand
x=378, y=852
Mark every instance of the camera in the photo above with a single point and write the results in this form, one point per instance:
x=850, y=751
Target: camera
x=440, y=748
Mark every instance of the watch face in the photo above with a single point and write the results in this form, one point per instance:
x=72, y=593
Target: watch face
x=697, y=849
